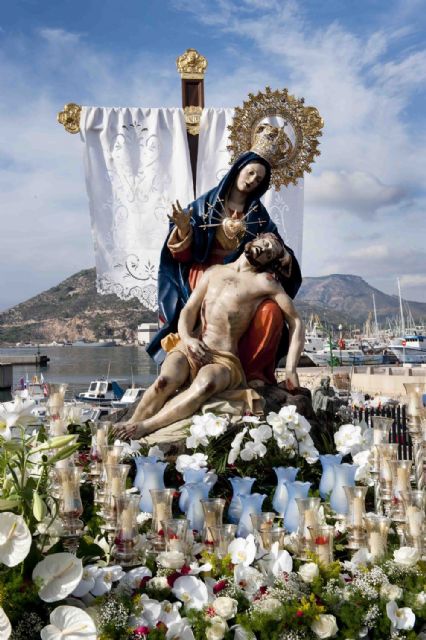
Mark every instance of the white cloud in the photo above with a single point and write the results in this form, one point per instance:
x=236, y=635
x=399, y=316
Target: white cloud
x=357, y=192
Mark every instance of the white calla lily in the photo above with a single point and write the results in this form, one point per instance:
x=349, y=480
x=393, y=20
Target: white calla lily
x=191, y=591
x=71, y=623
x=59, y=575
x=5, y=626
x=15, y=539
x=401, y=618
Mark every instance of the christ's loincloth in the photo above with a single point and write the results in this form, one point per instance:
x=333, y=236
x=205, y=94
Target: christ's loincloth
x=226, y=359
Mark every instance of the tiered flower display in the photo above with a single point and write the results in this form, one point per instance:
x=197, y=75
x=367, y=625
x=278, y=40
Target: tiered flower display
x=188, y=584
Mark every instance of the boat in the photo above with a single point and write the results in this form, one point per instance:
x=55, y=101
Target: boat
x=345, y=357
x=101, y=392
x=130, y=396
x=411, y=348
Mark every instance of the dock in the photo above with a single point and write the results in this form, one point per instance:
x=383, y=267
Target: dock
x=37, y=360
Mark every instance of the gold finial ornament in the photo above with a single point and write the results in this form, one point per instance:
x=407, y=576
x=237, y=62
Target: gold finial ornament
x=278, y=127
x=192, y=117
x=70, y=117
x=191, y=65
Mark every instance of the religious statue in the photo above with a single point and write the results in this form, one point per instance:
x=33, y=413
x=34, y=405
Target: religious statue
x=215, y=229
x=324, y=398
x=226, y=299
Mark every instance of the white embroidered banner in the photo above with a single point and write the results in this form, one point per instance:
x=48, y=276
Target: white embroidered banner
x=137, y=164
x=284, y=206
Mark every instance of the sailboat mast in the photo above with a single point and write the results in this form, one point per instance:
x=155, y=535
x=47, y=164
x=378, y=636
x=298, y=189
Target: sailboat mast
x=401, y=310
x=376, y=326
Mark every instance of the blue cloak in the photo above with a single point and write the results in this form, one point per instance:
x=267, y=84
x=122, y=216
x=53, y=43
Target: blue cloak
x=173, y=285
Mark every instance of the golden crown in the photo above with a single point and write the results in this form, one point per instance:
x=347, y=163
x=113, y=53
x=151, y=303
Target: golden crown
x=271, y=143
x=289, y=159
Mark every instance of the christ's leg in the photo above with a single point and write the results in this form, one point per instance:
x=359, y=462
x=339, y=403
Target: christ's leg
x=211, y=379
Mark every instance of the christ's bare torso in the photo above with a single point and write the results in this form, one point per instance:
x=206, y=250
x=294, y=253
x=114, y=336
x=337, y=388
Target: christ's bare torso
x=229, y=304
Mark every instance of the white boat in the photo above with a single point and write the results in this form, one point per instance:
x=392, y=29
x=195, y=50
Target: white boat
x=345, y=357
x=411, y=348
x=130, y=396
x=101, y=392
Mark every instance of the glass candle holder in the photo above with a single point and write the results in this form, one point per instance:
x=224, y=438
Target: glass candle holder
x=162, y=507
x=70, y=504
x=377, y=534
x=388, y=452
x=355, y=516
x=323, y=538
x=125, y=543
x=262, y=525
x=55, y=400
x=175, y=530
x=401, y=470
x=111, y=453
x=115, y=486
x=308, y=520
x=100, y=432
x=415, y=505
x=222, y=537
x=213, y=516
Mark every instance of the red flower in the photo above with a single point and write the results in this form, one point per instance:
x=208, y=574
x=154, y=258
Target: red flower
x=219, y=586
x=299, y=613
x=185, y=570
x=171, y=579
x=321, y=540
x=141, y=631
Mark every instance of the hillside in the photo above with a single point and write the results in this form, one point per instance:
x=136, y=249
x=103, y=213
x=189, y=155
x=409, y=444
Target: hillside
x=73, y=309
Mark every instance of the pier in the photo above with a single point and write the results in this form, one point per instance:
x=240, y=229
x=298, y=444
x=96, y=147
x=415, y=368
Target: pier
x=38, y=360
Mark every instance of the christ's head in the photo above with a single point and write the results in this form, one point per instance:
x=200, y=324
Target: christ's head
x=267, y=252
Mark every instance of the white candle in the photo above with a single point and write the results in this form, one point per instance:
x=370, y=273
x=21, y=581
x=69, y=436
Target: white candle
x=68, y=495
x=415, y=521
x=116, y=487
x=403, y=478
x=310, y=521
x=127, y=518
x=323, y=552
x=376, y=544
x=377, y=436
x=100, y=437
x=358, y=509
x=386, y=470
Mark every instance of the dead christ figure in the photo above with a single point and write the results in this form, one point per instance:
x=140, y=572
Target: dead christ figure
x=225, y=300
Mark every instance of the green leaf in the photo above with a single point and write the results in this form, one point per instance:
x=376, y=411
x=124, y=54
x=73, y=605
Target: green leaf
x=39, y=507
x=63, y=453
x=54, y=443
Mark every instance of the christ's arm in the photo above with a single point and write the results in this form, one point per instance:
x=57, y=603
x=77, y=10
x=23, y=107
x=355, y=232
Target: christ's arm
x=189, y=316
x=296, y=334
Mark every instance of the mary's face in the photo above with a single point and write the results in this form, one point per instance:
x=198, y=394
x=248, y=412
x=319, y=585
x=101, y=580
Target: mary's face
x=250, y=177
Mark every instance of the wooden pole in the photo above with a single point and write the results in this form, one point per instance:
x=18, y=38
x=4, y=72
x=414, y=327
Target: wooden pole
x=192, y=66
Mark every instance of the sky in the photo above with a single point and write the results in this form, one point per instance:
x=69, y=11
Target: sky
x=362, y=64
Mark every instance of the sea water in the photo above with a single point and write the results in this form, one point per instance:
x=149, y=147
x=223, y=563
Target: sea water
x=79, y=365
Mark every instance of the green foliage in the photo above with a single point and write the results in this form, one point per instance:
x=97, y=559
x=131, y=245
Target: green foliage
x=18, y=595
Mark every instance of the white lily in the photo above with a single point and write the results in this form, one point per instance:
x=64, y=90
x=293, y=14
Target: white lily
x=132, y=579
x=401, y=618
x=59, y=575
x=15, y=539
x=277, y=561
x=69, y=622
x=170, y=612
x=196, y=461
x=253, y=450
x=149, y=612
x=87, y=581
x=180, y=630
x=191, y=591
x=261, y=434
x=104, y=579
x=17, y=412
x=248, y=579
x=243, y=550
x=348, y=439
x=5, y=626
x=236, y=445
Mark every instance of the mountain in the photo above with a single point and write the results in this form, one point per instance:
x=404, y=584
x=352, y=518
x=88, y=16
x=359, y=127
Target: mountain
x=73, y=309
x=352, y=298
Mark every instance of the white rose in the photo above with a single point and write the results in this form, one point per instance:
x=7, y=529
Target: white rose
x=159, y=582
x=268, y=604
x=225, y=607
x=217, y=628
x=421, y=598
x=406, y=556
x=325, y=626
x=308, y=571
x=391, y=592
x=171, y=559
